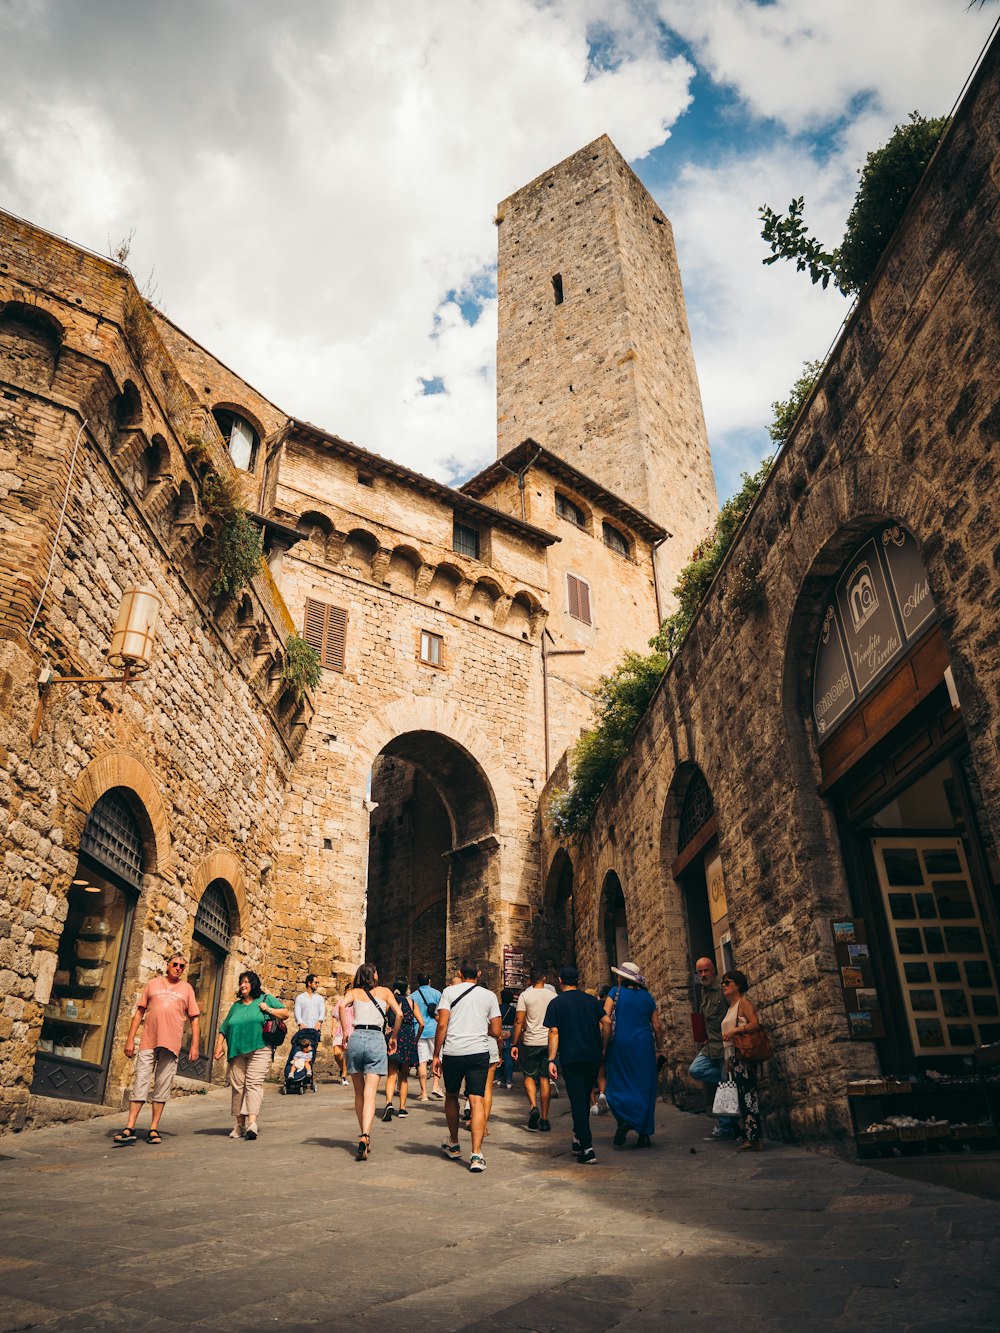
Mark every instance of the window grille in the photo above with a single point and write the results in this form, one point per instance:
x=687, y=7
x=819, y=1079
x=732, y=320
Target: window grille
x=579, y=599
x=697, y=810
x=112, y=839
x=565, y=508
x=213, y=920
x=326, y=630
x=616, y=540
x=465, y=540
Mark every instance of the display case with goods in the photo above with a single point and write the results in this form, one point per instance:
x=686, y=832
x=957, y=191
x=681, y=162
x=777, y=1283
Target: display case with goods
x=935, y=1112
x=78, y=1021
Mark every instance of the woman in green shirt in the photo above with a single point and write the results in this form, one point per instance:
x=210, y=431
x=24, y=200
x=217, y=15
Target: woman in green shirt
x=241, y=1037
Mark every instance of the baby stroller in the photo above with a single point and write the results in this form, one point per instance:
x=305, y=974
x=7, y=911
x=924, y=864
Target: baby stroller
x=301, y=1080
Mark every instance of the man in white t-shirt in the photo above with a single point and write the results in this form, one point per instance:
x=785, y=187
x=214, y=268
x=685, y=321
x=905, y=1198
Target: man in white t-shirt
x=466, y=1015
x=532, y=1054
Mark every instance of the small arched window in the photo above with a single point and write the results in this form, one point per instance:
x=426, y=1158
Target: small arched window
x=565, y=508
x=617, y=541
x=240, y=437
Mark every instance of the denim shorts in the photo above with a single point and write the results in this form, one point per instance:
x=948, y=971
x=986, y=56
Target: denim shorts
x=366, y=1053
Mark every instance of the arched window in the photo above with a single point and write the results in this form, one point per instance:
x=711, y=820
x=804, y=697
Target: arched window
x=210, y=945
x=565, y=508
x=241, y=438
x=617, y=541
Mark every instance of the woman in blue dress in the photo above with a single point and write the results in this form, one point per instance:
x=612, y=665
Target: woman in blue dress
x=636, y=1039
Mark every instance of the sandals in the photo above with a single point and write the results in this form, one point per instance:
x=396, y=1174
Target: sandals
x=364, y=1147
x=126, y=1136
x=153, y=1136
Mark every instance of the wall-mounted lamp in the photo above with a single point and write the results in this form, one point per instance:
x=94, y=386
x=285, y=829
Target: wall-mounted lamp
x=131, y=649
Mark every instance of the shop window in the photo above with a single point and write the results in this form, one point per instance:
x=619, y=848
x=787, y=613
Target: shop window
x=572, y=513
x=578, y=599
x=78, y=1025
x=431, y=648
x=210, y=945
x=326, y=630
x=465, y=540
x=240, y=437
x=615, y=540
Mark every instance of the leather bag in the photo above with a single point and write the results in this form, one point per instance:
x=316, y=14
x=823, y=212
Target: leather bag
x=752, y=1046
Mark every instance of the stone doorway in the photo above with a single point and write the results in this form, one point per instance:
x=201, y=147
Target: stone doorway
x=431, y=861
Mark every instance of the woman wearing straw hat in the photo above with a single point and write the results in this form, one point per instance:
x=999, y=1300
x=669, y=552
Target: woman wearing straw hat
x=634, y=1039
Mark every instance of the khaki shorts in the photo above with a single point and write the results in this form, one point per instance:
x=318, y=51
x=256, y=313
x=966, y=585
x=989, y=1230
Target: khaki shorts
x=156, y=1068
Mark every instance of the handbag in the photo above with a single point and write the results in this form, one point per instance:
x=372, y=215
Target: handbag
x=752, y=1046
x=727, y=1099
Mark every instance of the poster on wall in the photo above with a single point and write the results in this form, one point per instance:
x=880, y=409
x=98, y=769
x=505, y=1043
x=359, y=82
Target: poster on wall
x=857, y=982
x=515, y=968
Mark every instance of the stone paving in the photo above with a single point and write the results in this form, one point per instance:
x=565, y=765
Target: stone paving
x=290, y=1232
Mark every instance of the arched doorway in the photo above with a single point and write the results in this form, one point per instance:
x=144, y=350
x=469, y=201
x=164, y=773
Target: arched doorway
x=614, y=921
x=432, y=847
x=210, y=944
x=697, y=869
x=74, y=1047
x=558, y=943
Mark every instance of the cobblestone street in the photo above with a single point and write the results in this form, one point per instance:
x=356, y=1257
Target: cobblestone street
x=292, y=1233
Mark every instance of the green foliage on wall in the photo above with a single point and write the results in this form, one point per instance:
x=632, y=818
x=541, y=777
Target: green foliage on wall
x=888, y=179
x=301, y=668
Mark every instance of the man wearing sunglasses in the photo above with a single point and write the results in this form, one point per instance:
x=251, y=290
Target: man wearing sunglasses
x=162, y=1008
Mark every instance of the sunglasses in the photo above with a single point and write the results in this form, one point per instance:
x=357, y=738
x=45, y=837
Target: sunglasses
x=180, y=966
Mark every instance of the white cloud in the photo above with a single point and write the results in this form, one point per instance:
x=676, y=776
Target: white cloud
x=311, y=183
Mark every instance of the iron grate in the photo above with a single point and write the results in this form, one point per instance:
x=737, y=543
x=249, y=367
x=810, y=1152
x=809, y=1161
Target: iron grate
x=112, y=839
x=213, y=920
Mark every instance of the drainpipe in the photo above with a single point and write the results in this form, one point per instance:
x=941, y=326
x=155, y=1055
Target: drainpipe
x=656, y=587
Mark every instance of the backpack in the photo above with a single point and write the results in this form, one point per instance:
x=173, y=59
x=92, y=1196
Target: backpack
x=430, y=1006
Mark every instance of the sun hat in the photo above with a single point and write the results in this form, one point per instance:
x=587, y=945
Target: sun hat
x=631, y=973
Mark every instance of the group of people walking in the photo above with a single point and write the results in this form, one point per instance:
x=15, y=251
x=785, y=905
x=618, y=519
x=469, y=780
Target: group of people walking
x=607, y=1047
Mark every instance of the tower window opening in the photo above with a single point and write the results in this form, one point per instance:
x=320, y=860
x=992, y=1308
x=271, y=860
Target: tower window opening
x=557, y=288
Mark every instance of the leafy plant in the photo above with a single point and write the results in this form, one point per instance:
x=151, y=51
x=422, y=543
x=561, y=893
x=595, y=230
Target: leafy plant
x=237, y=544
x=786, y=413
x=696, y=577
x=888, y=179
x=622, y=698
x=301, y=668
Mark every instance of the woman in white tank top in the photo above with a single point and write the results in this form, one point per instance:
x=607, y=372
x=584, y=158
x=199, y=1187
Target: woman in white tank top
x=367, y=1049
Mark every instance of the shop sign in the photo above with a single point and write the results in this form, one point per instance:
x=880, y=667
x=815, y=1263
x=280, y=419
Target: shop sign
x=909, y=579
x=880, y=604
x=716, y=889
x=515, y=968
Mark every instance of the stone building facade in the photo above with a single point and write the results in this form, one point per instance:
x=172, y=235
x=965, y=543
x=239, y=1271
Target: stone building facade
x=814, y=794
x=390, y=813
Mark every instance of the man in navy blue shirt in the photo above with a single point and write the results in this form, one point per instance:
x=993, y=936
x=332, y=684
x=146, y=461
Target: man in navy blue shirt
x=573, y=1019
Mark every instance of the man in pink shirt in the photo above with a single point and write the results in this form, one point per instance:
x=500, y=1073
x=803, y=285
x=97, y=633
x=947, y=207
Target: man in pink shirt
x=164, y=1005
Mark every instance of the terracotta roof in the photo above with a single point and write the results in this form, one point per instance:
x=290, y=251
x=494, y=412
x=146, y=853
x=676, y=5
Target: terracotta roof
x=528, y=453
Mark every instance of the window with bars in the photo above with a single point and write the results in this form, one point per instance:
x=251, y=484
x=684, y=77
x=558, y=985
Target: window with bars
x=616, y=540
x=565, y=508
x=465, y=540
x=111, y=837
x=431, y=648
x=578, y=599
x=326, y=631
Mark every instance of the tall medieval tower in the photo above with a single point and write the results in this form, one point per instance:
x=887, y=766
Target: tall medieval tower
x=594, y=357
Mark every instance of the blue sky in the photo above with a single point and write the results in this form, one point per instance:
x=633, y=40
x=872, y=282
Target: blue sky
x=313, y=188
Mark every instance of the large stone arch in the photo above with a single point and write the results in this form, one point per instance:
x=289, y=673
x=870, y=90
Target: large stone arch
x=121, y=768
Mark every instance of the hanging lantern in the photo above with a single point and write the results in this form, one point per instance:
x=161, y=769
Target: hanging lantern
x=132, y=641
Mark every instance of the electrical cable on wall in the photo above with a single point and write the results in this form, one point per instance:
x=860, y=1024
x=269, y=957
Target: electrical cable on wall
x=62, y=515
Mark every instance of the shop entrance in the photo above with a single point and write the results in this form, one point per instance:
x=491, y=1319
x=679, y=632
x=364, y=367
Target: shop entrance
x=697, y=869
x=614, y=921
x=431, y=861
x=210, y=943
x=74, y=1048
x=559, y=920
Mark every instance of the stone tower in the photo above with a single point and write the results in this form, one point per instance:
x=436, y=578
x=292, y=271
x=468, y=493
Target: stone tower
x=594, y=357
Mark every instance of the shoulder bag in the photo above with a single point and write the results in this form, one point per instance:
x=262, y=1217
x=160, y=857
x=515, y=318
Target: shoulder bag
x=752, y=1046
x=385, y=1016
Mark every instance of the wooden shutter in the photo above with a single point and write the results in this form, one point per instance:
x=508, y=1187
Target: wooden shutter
x=579, y=599
x=326, y=631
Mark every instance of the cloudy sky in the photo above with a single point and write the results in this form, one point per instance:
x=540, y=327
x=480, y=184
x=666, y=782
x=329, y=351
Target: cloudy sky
x=312, y=184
